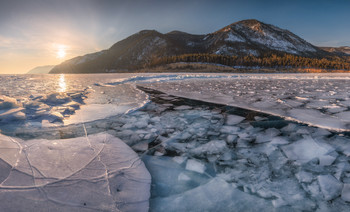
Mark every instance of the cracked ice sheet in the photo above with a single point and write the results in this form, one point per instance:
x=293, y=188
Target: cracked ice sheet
x=97, y=172
x=317, y=99
x=106, y=102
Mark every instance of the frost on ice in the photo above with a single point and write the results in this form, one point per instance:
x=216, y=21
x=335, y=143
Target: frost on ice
x=97, y=172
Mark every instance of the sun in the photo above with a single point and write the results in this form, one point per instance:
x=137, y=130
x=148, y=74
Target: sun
x=61, y=52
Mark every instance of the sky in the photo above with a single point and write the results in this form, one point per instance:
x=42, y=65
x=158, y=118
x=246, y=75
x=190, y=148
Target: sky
x=47, y=32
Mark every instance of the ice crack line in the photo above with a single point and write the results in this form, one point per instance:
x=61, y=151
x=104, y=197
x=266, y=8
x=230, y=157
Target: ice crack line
x=99, y=159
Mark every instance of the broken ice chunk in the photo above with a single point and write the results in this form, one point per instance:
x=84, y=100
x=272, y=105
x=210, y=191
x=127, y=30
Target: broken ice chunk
x=167, y=179
x=141, y=146
x=195, y=165
x=304, y=150
x=229, y=129
x=279, y=141
x=345, y=194
x=321, y=132
x=56, y=98
x=304, y=177
x=330, y=187
x=234, y=119
x=268, y=135
x=179, y=159
x=326, y=160
x=183, y=107
x=12, y=114
x=8, y=102
x=56, y=116
x=216, y=195
x=212, y=147
x=182, y=176
x=98, y=170
x=231, y=138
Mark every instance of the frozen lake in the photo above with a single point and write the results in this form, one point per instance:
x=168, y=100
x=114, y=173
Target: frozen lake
x=175, y=142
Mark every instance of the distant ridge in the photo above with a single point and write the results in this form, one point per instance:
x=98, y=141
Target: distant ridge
x=244, y=38
x=41, y=69
x=343, y=50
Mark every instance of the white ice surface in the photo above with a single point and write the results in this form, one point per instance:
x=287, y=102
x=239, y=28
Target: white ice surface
x=97, y=172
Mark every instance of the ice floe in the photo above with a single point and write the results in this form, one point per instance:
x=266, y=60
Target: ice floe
x=97, y=172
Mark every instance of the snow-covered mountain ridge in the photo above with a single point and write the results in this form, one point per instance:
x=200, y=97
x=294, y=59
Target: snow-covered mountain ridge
x=247, y=37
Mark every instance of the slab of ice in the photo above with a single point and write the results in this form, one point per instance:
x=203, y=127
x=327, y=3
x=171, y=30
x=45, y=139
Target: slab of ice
x=111, y=102
x=179, y=159
x=183, y=107
x=345, y=194
x=317, y=118
x=216, y=195
x=229, y=129
x=210, y=148
x=13, y=114
x=234, y=119
x=94, y=112
x=330, y=187
x=305, y=177
x=195, y=165
x=8, y=102
x=268, y=135
x=305, y=150
x=97, y=172
x=170, y=178
x=183, y=177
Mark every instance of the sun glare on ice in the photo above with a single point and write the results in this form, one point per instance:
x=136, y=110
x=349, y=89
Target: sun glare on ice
x=62, y=83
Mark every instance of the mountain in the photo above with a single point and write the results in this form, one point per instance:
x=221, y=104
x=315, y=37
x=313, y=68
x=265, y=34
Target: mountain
x=341, y=51
x=40, y=70
x=248, y=37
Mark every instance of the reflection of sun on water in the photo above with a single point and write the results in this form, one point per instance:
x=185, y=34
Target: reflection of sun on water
x=61, y=83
